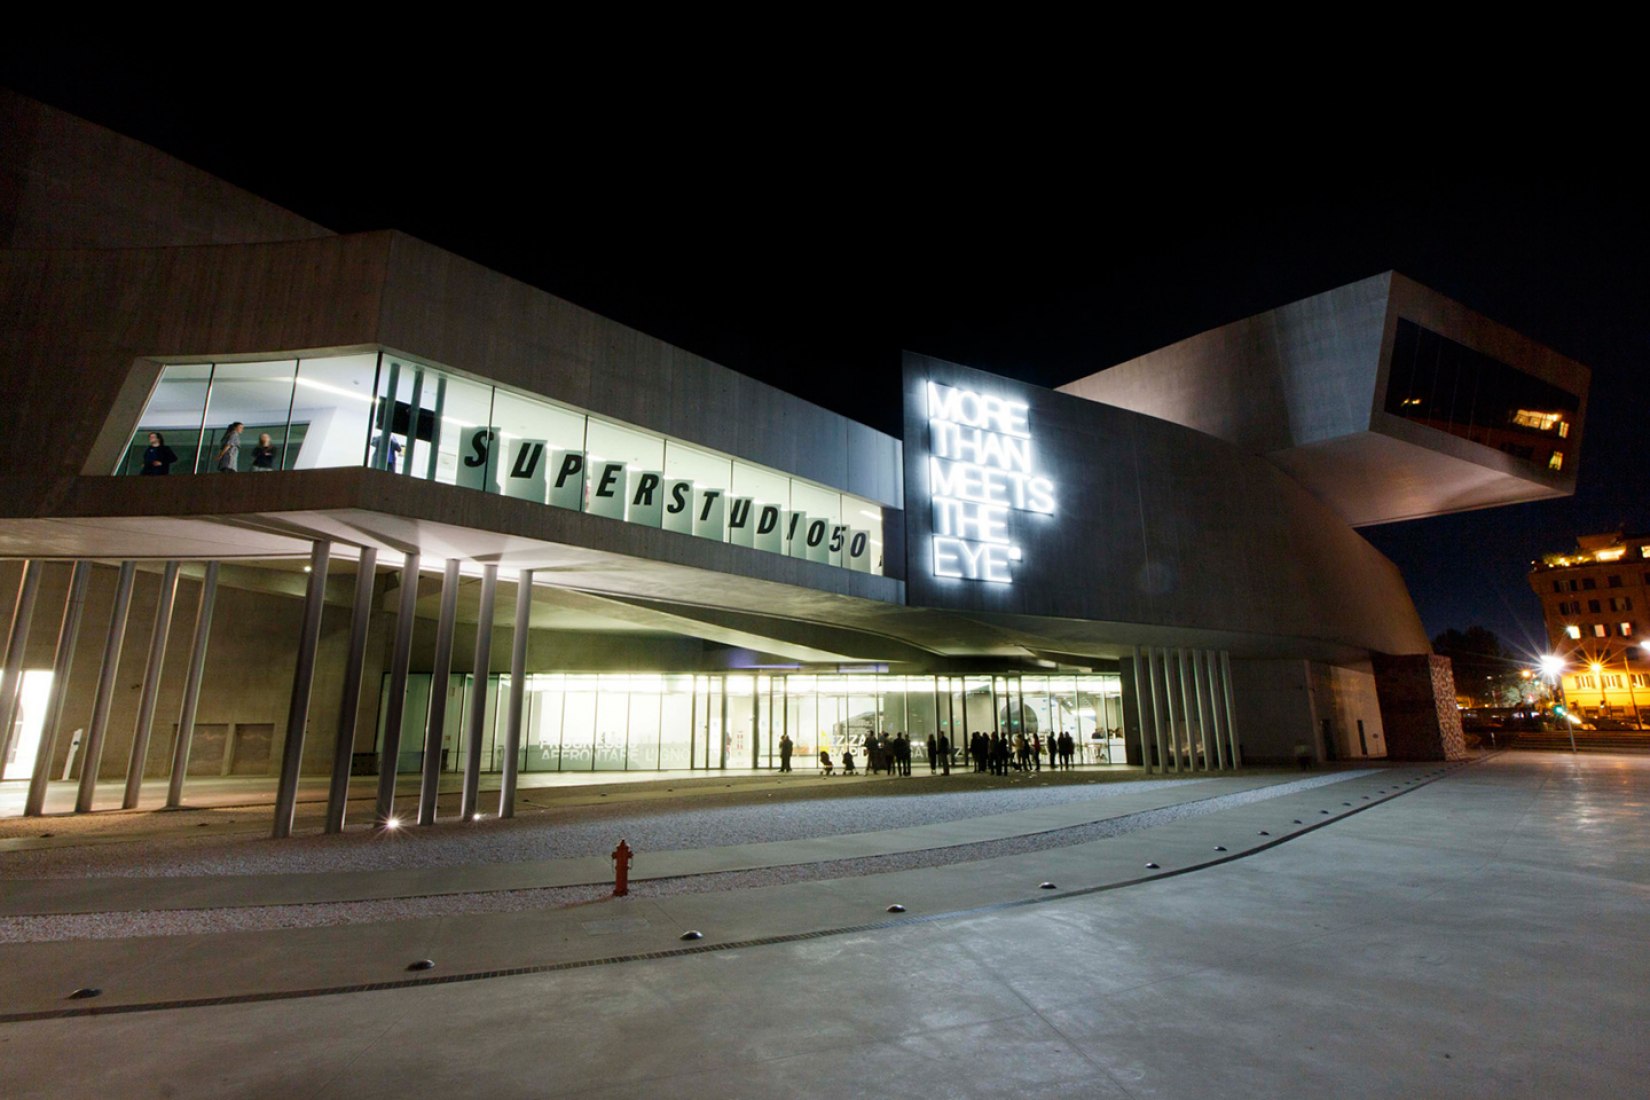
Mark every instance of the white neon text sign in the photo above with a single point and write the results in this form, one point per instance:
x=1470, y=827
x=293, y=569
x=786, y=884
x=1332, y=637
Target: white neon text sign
x=981, y=468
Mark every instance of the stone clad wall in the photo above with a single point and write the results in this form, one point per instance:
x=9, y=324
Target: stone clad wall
x=1418, y=711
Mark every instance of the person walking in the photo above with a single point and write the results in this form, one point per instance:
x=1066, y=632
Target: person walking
x=933, y=754
x=1037, y=752
x=945, y=754
x=229, y=454
x=785, y=747
x=1054, y=751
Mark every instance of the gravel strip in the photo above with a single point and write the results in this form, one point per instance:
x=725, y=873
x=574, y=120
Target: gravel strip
x=661, y=826
x=177, y=922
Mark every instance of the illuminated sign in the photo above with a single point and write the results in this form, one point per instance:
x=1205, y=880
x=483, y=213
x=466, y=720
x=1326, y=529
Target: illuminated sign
x=981, y=468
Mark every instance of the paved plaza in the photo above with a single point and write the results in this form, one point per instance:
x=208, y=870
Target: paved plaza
x=1408, y=930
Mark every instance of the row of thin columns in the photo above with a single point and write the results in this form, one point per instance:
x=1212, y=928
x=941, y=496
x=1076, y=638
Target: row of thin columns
x=1183, y=703
x=62, y=665
x=303, y=680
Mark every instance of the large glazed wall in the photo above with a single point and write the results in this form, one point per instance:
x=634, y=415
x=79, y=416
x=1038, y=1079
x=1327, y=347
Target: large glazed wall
x=1158, y=525
x=113, y=309
x=461, y=315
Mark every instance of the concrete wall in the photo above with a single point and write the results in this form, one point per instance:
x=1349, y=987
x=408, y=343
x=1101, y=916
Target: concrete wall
x=1418, y=707
x=1159, y=525
x=1345, y=697
x=1298, y=374
x=67, y=183
x=1276, y=712
x=457, y=314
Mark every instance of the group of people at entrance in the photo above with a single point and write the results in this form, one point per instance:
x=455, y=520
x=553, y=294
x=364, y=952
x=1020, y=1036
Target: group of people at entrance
x=997, y=753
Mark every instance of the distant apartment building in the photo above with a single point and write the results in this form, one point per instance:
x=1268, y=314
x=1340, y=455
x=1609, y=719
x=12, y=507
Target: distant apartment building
x=1594, y=600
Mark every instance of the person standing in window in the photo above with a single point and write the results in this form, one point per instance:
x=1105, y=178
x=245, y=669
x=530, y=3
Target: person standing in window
x=157, y=457
x=229, y=453
x=263, y=456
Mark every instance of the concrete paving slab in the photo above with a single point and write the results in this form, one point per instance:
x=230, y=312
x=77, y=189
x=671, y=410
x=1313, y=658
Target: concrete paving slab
x=1324, y=966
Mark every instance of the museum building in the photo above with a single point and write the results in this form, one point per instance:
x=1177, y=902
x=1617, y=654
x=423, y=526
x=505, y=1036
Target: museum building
x=322, y=503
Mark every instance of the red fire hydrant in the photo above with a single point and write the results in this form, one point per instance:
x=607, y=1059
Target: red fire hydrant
x=621, y=869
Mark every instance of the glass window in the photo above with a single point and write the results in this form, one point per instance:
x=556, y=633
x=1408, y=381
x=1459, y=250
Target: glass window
x=1573, y=631
x=175, y=412
x=676, y=720
x=761, y=484
x=1449, y=386
x=1613, y=581
x=331, y=411
x=704, y=469
x=542, y=736
x=644, y=730
x=1599, y=631
x=865, y=515
x=257, y=397
x=464, y=435
x=578, y=738
x=529, y=435
x=612, y=724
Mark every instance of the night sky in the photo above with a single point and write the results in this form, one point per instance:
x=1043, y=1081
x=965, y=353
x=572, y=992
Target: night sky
x=804, y=235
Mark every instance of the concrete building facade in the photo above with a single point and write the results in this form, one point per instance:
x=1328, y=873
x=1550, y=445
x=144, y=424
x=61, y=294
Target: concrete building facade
x=415, y=516
x=1593, y=601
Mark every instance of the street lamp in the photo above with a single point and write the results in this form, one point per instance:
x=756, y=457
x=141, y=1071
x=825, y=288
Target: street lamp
x=1552, y=666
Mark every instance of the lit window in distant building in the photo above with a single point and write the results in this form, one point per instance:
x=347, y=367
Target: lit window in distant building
x=1573, y=631
x=1599, y=631
x=1541, y=421
x=1626, y=629
x=1585, y=683
x=1557, y=461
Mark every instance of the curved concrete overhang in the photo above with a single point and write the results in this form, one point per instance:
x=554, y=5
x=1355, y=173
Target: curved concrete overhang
x=1305, y=385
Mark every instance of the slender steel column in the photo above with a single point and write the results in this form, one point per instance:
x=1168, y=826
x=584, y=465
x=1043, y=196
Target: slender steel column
x=1217, y=724
x=1157, y=717
x=389, y=758
x=153, y=665
x=349, y=699
x=518, y=694
x=468, y=801
x=386, y=414
x=722, y=757
x=435, y=726
x=92, y=755
x=435, y=425
x=1231, y=713
x=192, y=687
x=67, y=634
x=1140, y=707
x=1167, y=657
x=1203, y=683
x=17, y=640
x=412, y=421
x=1211, y=756
x=303, y=680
